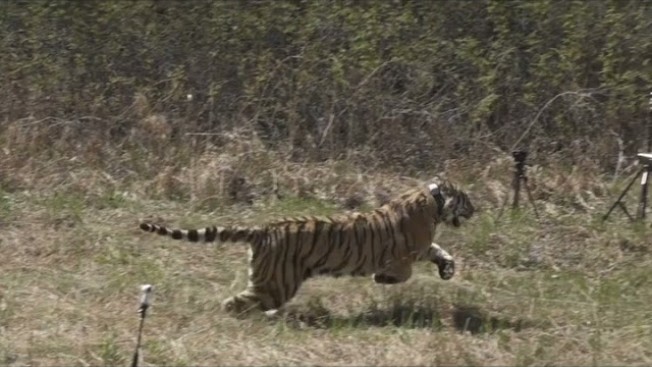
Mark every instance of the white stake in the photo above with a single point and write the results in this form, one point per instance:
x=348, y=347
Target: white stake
x=142, y=310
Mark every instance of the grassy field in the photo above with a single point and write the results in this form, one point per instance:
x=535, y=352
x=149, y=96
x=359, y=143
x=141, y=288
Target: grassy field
x=566, y=290
x=197, y=113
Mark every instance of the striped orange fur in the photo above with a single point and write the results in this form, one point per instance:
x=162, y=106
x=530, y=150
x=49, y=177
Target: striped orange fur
x=383, y=243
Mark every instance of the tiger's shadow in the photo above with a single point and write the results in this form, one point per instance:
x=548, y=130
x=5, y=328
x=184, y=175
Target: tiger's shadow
x=463, y=318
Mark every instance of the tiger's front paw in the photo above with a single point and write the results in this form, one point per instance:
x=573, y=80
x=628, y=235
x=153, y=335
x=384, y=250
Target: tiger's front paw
x=446, y=267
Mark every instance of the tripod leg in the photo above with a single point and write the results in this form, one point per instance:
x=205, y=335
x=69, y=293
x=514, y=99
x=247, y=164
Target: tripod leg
x=517, y=189
x=502, y=208
x=623, y=194
x=643, y=201
x=529, y=196
x=624, y=208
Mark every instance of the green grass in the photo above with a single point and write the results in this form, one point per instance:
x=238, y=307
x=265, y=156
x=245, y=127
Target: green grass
x=70, y=293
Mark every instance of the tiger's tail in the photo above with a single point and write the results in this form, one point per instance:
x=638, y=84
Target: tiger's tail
x=208, y=234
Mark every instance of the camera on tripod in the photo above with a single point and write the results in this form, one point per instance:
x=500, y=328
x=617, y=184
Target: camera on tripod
x=519, y=156
x=520, y=177
x=645, y=159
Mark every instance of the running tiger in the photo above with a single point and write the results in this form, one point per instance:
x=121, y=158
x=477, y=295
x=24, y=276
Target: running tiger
x=383, y=243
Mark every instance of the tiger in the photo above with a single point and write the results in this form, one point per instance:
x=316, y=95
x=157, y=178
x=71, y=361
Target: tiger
x=382, y=243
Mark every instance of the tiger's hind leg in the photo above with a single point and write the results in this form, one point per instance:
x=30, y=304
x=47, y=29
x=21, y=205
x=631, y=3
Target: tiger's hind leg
x=249, y=300
x=241, y=304
x=397, y=273
x=444, y=261
x=268, y=297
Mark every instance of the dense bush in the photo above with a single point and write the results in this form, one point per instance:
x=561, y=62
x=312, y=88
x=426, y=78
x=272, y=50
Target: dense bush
x=405, y=83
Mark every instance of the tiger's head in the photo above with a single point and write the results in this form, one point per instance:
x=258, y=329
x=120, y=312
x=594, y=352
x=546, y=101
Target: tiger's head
x=453, y=204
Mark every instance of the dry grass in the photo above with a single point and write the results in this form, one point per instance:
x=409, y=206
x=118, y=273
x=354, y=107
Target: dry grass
x=567, y=290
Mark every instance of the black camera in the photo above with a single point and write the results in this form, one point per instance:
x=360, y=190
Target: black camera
x=519, y=155
x=644, y=158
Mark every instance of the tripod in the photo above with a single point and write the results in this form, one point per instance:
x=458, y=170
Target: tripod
x=520, y=178
x=644, y=172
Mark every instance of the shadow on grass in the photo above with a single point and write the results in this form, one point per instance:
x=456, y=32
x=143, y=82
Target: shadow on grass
x=472, y=319
x=401, y=315
x=412, y=315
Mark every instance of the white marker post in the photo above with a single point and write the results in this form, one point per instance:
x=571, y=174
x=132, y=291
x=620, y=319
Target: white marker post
x=142, y=310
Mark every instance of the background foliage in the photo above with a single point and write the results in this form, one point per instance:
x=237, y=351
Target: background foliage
x=405, y=82
x=314, y=107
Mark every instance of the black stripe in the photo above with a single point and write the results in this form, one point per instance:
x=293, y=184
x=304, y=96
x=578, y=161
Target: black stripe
x=225, y=234
x=176, y=234
x=162, y=231
x=360, y=267
x=347, y=241
x=342, y=238
x=324, y=259
x=193, y=235
x=329, y=235
x=357, y=235
x=315, y=236
x=335, y=241
x=238, y=235
x=372, y=240
x=211, y=233
x=277, y=298
x=345, y=261
x=252, y=237
x=269, y=261
x=382, y=256
x=383, y=246
x=439, y=199
x=404, y=232
x=298, y=267
x=277, y=251
x=360, y=245
x=265, y=261
x=286, y=281
x=390, y=229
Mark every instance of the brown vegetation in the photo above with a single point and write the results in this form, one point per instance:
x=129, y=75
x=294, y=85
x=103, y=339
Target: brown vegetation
x=310, y=108
x=568, y=290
